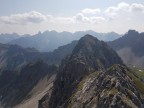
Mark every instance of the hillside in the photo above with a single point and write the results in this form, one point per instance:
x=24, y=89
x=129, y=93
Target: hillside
x=13, y=57
x=15, y=86
x=129, y=47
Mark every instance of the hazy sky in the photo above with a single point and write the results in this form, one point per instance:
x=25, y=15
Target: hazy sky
x=31, y=16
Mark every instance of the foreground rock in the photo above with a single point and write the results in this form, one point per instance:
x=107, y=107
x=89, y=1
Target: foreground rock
x=110, y=89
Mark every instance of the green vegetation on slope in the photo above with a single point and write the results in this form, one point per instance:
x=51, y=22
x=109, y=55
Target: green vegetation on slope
x=138, y=82
x=138, y=71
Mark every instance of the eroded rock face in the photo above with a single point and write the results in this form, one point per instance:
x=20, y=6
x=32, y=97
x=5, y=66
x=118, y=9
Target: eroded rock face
x=117, y=89
x=110, y=89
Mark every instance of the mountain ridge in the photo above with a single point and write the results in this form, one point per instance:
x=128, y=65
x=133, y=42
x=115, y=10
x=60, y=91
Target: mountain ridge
x=78, y=65
x=129, y=47
x=50, y=40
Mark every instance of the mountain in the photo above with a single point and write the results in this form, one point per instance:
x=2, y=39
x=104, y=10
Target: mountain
x=29, y=74
x=56, y=56
x=50, y=40
x=16, y=86
x=13, y=57
x=88, y=74
x=90, y=55
x=129, y=47
x=5, y=38
x=101, y=36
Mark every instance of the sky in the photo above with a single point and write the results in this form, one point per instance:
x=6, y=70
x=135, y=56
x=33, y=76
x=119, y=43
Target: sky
x=32, y=16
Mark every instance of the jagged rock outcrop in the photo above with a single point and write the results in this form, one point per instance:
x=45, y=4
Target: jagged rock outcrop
x=113, y=88
x=89, y=55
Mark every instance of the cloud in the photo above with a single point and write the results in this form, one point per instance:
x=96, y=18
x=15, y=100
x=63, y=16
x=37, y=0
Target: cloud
x=116, y=10
x=91, y=11
x=87, y=15
x=25, y=18
x=88, y=19
x=79, y=17
x=65, y=20
x=97, y=20
x=124, y=7
x=137, y=7
x=111, y=11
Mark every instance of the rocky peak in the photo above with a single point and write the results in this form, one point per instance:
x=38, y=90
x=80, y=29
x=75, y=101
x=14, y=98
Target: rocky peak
x=86, y=44
x=89, y=55
x=133, y=32
x=96, y=53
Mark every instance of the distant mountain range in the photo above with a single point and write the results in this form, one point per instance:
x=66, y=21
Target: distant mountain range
x=50, y=40
x=5, y=38
x=130, y=48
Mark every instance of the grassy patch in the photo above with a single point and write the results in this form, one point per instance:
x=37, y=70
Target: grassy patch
x=80, y=86
x=138, y=71
x=138, y=82
x=114, y=90
x=128, y=102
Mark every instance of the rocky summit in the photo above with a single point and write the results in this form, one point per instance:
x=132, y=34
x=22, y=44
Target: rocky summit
x=94, y=76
